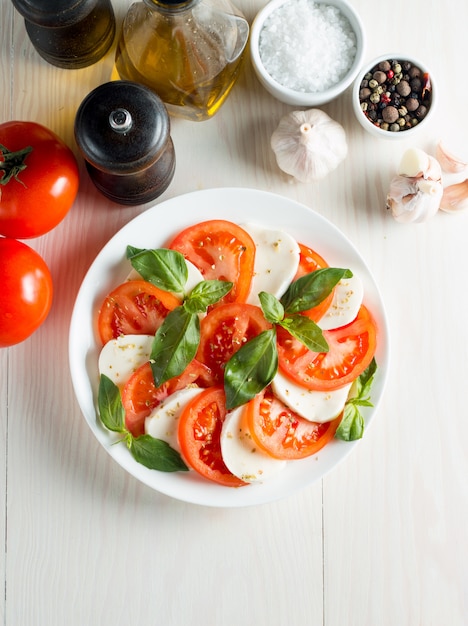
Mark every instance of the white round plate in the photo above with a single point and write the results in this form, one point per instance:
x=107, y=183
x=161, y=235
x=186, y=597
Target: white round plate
x=155, y=228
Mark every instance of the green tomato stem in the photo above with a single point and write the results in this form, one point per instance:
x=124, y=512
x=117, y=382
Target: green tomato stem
x=12, y=163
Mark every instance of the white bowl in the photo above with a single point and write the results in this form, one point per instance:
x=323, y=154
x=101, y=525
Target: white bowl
x=302, y=98
x=367, y=124
x=148, y=230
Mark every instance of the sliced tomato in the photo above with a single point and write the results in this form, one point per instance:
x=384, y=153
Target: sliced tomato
x=222, y=251
x=140, y=394
x=135, y=307
x=281, y=432
x=226, y=329
x=310, y=261
x=351, y=349
x=199, y=433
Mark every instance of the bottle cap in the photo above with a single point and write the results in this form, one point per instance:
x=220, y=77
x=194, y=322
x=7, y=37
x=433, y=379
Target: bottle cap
x=122, y=127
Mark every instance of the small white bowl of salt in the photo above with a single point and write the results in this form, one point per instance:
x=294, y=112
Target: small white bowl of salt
x=307, y=52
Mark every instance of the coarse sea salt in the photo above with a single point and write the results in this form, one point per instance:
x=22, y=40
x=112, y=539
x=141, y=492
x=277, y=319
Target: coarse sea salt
x=307, y=46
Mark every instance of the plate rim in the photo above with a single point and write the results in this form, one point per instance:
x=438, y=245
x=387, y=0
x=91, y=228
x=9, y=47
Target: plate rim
x=222, y=496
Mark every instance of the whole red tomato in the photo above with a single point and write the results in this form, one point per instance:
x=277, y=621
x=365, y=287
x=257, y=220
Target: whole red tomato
x=26, y=291
x=38, y=179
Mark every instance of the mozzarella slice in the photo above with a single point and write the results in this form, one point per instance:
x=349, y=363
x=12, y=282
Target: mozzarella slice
x=315, y=406
x=241, y=455
x=163, y=421
x=120, y=357
x=346, y=302
x=276, y=261
x=194, y=277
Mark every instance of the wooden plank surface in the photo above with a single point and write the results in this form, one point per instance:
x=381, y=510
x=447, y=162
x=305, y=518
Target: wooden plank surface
x=381, y=540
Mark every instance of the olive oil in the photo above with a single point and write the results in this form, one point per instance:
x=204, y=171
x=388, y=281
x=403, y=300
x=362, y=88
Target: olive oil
x=189, y=53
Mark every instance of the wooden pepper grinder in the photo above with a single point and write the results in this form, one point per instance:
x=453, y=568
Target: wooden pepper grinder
x=122, y=129
x=70, y=35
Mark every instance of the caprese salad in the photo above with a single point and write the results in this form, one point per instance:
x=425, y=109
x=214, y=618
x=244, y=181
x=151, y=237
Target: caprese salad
x=232, y=351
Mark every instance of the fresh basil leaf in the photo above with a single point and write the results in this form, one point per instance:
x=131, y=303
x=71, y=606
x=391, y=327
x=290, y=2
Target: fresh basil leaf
x=132, y=251
x=359, y=394
x=306, y=331
x=365, y=380
x=175, y=344
x=150, y=452
x=251, y=369
x=360, y=402
x=162, y=267
x=351, y=426
x=110, y=405
x=206, y=293
x=156, y=454
x=310, y=290
x=272, y=308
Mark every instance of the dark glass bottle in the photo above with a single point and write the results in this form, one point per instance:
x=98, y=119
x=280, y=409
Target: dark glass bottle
x=70, y=35
x=188, y=51
x=123, y=132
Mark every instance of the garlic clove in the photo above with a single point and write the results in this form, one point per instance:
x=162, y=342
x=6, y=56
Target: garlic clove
x=413, y=200
x=434, y=171
x=455, y=197
x=428, y=187
x=448, y=161
x=415, y=163
x=309, y=144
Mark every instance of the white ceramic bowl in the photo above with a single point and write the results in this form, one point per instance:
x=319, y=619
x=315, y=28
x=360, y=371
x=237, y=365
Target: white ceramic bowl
x=372, y=128
x=302, y=98
x=148, y=230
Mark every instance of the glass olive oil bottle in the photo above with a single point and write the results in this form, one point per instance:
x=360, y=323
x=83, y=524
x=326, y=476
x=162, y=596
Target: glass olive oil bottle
x=189, y=52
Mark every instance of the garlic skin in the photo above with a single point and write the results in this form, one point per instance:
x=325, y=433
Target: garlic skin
x=309, y=144
x=413, y=200
x=454, y=179
x=455, y=197
x=448, y=161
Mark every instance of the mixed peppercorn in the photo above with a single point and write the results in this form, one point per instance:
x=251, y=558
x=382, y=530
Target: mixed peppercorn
x=395, y=95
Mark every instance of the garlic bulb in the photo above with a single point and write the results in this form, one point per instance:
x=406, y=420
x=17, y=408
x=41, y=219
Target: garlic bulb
x=416, y=192
x=309, y=144
x=413, y=200
x=419, y=190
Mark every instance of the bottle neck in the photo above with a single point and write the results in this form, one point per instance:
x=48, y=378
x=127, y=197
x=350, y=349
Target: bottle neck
x=171, y=6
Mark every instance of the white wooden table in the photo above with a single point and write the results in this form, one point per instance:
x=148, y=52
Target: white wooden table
x=382, y=540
